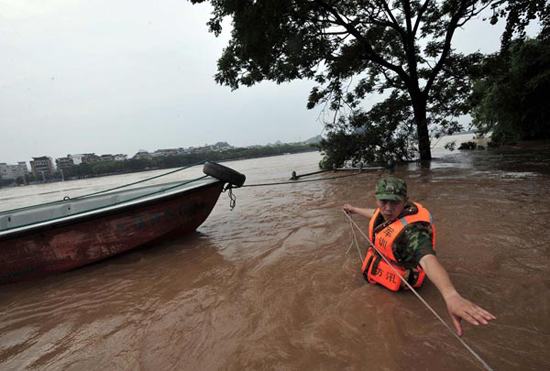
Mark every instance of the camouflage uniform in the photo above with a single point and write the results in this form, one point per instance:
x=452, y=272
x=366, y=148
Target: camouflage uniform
x=415, y=241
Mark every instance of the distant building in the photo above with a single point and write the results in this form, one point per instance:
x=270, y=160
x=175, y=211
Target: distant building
x=90, y=157
x=42, y=166
x=184, y=151
x=142, y=154
x=106, y=158
x=120, y=157
x=64, y=163
x=13, y=171
x=84, y=158
x=77, y=159
x=166, y=152
x=4, y=170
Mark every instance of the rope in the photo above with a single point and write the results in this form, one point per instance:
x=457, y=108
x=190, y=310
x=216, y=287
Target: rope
x=354, y=239
x=232, y=197
x=300, y=181
x=67, y=198
x=110, y=205
x=485, y=365
x=140, y=181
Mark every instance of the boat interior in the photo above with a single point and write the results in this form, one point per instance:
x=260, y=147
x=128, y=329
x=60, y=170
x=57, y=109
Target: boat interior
x=11, y=219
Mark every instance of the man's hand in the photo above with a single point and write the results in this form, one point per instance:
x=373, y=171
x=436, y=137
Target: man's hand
x=457, y=306
x=460, y=308
x=349, y=209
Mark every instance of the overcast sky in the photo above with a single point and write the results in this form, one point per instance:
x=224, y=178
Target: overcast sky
x=116, y=76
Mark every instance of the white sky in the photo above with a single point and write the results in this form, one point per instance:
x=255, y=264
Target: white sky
x=116, y=76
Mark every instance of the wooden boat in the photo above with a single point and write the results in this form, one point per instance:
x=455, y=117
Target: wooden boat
x=55, y=237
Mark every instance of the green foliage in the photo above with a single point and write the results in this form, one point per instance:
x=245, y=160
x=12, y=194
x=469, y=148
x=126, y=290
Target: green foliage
x=353, y=49
x=19, y=180
x=511, y=100
x=368, y=144
x=6, y=182
x=376, y=136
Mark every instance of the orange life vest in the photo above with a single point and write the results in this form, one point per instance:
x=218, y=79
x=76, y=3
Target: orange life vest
x=376, y=270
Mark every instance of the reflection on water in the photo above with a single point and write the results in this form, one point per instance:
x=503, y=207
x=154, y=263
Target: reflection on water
x=269, y=286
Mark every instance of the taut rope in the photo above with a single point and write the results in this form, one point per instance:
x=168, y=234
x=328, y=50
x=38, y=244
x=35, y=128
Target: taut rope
x=301, y=181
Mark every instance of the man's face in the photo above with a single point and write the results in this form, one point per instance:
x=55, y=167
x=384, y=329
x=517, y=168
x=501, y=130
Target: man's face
x=390, y=210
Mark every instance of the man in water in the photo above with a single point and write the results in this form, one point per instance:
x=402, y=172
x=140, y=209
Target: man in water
x=403, y=232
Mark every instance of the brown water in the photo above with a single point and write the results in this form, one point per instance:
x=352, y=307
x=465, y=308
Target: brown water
x=269, y=286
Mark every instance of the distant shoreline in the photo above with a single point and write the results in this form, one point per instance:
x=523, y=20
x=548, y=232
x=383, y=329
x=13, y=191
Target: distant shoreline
x=86, y=171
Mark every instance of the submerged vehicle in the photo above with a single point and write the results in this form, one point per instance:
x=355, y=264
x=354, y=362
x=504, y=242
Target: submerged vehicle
x=59, y=236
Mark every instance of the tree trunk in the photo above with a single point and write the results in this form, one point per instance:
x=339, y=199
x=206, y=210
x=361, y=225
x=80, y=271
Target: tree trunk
x=419, y=107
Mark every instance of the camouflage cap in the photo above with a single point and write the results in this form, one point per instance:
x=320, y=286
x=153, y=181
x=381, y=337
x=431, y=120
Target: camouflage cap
x=392, y=189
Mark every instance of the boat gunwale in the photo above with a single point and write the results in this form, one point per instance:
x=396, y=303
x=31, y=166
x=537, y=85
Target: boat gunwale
x=122, y=207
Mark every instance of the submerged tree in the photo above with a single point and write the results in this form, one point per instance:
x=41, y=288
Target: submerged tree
x=353, y=48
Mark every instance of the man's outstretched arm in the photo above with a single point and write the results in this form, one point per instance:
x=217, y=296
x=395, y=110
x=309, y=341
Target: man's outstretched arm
x=457, y=306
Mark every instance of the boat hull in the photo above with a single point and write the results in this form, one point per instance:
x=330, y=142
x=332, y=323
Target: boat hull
x=74, y=243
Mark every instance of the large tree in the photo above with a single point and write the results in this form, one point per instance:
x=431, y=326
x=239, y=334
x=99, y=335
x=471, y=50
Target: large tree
x=354, y=48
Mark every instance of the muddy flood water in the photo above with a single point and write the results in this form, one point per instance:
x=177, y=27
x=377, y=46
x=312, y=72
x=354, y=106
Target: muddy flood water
x=269, y=285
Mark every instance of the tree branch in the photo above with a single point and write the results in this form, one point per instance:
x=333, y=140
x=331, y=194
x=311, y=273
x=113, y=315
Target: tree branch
x=419, y=16
x=407, y=7
x=370, y=53
x=473, y=13
x=453, y=24
x=390, y=15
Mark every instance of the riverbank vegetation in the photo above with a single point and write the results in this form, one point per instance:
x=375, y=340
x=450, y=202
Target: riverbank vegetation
x=133, y=165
